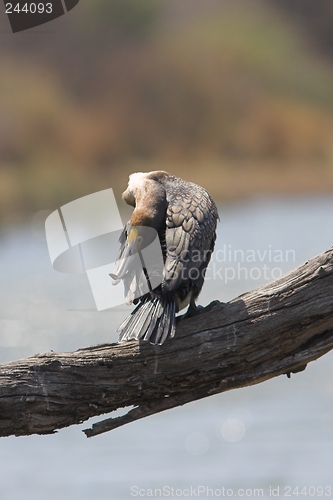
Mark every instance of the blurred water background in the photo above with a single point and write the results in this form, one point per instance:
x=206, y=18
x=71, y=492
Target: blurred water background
x=234, y=95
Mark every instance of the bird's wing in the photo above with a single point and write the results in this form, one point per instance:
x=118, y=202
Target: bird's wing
x=190, y=236
x=134, y=279
x=122, y=250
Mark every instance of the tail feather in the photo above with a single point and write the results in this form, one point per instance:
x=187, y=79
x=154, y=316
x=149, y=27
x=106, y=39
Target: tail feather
x=153, y=320
x=128, y=319
x=159, y=325
x=169, y=323
x=142, y=319
x=172, y=328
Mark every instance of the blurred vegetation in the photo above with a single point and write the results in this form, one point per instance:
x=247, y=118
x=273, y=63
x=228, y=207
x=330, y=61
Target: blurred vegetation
x=315, y=19
x=228, y=94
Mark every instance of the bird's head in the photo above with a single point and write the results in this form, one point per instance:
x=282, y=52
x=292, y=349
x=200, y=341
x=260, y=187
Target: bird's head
x=147, y=195
x=136, y=185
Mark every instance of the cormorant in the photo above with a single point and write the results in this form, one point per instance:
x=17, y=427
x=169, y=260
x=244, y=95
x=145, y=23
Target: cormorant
x=185, y=217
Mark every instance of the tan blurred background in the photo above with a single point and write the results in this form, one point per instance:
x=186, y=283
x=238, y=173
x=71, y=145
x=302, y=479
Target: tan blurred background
x=233, y=94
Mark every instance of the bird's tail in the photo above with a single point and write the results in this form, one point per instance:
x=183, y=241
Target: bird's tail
x=154, y=319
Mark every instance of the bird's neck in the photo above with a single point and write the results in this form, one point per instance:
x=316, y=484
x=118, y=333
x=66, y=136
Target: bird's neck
x=150, y=206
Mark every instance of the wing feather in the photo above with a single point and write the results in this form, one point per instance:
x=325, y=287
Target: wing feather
x=190, y=234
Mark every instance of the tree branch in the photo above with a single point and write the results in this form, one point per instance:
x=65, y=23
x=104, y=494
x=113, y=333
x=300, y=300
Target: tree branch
x=276, y=329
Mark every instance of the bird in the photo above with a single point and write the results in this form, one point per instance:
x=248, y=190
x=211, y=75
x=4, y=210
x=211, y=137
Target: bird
x=184, y=217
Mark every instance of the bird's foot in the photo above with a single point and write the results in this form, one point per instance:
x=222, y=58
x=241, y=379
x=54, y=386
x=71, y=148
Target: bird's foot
x=211, y=306
x=193, y=310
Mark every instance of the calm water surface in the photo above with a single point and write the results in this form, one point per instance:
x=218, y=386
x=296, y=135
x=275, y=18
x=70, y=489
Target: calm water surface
x=276, y=434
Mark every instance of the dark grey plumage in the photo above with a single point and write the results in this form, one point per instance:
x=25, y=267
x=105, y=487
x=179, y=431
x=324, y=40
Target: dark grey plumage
x=185, y=217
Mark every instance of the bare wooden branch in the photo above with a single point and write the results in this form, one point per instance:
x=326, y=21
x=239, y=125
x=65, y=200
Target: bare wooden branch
x=276, y=329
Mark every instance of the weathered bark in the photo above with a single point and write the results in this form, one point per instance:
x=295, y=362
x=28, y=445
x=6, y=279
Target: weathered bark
x=275, y=329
